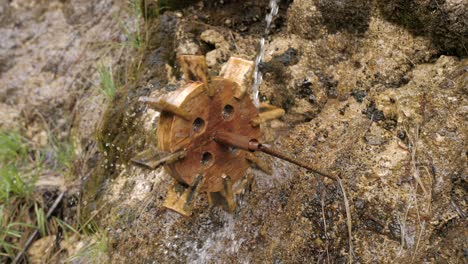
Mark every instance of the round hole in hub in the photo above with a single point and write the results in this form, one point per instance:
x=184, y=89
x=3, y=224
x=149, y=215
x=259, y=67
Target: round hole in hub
x=198, y=125
x=228, y=111
x=207, y=158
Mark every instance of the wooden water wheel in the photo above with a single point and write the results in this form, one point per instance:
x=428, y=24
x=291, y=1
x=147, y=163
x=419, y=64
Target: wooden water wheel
x=189, y=121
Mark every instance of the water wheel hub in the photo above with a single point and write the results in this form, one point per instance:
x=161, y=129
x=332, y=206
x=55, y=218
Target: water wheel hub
x=207, y=115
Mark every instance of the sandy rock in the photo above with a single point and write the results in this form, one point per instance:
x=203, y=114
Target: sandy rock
x=9, y=117
x=40, y=138
x=41, y=250
x=375, y=136
x=214, y=37
x=307, y=20
x=279, y=46
x=214, y=57
x=302, y=107
x=221, y=52
x=188, y=47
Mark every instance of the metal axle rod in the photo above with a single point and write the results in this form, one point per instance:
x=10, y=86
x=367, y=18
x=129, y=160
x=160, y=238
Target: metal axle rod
x=252, y=144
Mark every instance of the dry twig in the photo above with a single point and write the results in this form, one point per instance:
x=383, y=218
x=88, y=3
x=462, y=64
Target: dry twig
x=348, y=216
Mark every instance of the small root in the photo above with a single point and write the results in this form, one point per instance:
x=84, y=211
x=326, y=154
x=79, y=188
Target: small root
x=325, y=229
x=414, y=168
x=348, y=216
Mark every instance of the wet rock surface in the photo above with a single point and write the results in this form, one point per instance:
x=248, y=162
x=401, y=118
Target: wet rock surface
x=375, y=92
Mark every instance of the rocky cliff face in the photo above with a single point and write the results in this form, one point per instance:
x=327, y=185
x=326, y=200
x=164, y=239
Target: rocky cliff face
x=375, y=91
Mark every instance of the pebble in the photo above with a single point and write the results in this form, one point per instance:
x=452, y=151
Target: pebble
x=373, y=140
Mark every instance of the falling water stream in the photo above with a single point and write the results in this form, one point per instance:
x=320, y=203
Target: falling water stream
x=258, y=78
x=225, y=240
